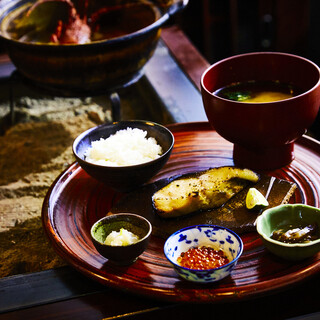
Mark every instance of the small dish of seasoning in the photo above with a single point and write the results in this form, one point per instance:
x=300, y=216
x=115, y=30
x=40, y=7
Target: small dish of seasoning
x=203, y=253
x=122, y=237
x=290, y=231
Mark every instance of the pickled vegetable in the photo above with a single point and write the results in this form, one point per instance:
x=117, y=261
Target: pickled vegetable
x=121, y=238
x=296, y=234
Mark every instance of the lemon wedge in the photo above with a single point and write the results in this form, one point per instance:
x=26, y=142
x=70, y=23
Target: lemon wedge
x=255, y=200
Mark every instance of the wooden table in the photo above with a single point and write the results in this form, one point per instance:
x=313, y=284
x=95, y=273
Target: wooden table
x=63, y=293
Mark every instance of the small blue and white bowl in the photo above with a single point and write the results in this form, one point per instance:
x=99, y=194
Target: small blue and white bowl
x=204, y=235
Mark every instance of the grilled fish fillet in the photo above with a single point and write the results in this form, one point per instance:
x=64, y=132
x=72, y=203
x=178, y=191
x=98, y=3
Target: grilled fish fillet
x=201, y=191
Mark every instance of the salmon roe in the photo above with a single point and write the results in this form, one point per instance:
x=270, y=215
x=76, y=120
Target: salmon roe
x=202, y=258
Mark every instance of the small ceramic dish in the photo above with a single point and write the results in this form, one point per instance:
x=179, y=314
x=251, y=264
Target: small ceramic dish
x=124, y=178
x=216, y=237
x=281, y=217
x=121, y=254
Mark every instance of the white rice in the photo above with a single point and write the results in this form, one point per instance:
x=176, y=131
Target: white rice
x=124, y=148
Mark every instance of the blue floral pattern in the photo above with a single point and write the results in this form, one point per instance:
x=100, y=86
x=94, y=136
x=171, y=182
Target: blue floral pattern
x=204, y=235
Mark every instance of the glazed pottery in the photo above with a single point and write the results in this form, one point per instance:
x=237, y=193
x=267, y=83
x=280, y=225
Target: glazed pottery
x=124, y=254
x=217, y=237
x=103, y=65
x=124, y=178
x=290, y=214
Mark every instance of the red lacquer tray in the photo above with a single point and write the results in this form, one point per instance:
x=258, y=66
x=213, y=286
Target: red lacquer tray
x=75, y=201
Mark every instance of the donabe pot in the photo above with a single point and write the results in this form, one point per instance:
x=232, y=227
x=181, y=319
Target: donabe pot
x=104, y=64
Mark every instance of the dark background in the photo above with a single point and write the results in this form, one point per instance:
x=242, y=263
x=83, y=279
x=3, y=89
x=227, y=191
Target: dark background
x=221, y=28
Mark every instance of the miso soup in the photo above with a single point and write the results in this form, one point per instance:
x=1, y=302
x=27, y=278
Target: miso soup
x=258, y=91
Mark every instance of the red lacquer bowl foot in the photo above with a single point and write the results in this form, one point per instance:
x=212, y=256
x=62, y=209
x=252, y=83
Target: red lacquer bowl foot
x=263, y=159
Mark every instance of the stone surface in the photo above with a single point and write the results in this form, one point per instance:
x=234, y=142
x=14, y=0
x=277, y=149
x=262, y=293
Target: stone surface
x=32, y=155
x=35, y=149
x=33, y=152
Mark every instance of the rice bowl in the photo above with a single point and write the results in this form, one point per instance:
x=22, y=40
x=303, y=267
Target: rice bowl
x=124, y=178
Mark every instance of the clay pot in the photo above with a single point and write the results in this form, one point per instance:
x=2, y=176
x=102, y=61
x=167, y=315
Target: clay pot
x=98, y=65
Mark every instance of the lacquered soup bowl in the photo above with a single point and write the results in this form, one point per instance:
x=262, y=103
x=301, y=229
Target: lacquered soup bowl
x=263, y=134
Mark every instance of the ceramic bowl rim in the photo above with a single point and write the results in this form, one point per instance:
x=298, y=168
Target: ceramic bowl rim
x=114, y=123
x=205, y=72
x=122, y=214
x=280, y=243
x=210, y=226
